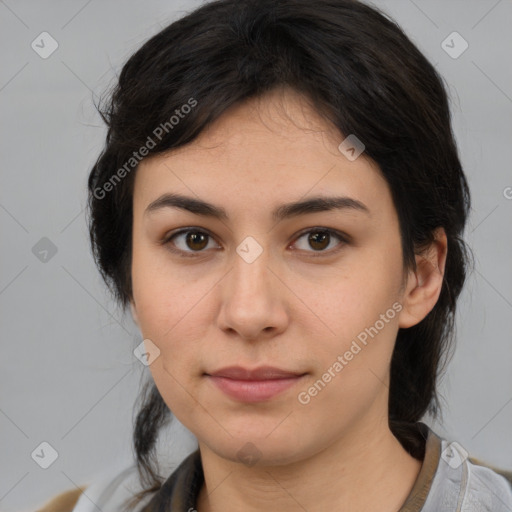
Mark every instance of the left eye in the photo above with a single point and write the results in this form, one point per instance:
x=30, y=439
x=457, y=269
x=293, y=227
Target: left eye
x=320, y=238
x=197, y=240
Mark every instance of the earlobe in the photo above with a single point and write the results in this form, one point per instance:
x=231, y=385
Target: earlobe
x=425, y=283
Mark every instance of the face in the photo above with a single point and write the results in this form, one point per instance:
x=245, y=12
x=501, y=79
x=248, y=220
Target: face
x=315, y=293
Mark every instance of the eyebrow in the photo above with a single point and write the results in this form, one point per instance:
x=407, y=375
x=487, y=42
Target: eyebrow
x=284, y=211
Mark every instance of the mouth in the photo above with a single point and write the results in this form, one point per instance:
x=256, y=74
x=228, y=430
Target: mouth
x=255, y=385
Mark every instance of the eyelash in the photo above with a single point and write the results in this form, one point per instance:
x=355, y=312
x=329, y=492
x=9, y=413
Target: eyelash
x=344, y=239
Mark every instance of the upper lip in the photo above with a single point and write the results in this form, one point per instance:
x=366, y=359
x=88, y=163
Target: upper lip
x=261, y=373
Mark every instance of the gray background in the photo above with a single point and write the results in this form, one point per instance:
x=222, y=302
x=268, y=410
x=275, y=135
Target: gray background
x=68, y=374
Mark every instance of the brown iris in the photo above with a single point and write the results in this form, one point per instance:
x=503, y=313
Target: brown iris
x=317, y=238
x=194, y=237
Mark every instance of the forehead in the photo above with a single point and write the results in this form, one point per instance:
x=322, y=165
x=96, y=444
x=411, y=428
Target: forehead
x=263, y=152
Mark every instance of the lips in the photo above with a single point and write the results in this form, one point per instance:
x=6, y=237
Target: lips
x=256, y=385
x=261, y=373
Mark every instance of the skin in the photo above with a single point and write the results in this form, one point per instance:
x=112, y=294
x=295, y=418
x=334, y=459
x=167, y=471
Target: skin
x=286, y=309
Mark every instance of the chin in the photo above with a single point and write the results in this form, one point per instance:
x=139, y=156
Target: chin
x=258, y=450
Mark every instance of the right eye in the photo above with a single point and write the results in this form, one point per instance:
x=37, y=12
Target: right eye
x=195, y=239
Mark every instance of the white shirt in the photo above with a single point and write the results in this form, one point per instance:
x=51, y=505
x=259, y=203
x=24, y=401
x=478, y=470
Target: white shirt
x=448, y=482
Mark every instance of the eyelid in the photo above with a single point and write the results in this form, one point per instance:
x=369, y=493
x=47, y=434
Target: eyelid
x=166, y=241
x=343, y=237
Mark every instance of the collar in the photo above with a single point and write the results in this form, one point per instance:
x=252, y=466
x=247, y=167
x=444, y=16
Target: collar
x=180, y=491
x=423, y=484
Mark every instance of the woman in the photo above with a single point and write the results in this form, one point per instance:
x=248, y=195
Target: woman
x=281, y=203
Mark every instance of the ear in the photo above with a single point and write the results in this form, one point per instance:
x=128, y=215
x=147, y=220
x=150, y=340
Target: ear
x=134, y=313
x=424, y=284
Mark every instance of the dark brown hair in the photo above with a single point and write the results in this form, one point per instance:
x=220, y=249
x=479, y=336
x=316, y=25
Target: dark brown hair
x=364, y=75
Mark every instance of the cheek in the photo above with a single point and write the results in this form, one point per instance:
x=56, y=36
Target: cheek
x=361, y=313
x=172, y=309
x=165, y=295
x=356, y=298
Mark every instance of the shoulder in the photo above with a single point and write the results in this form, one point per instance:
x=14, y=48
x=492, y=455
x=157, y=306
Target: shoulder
x=63, y=502
x=499, y=471
x=469, y=484
x=108, y=491
x=488, y=484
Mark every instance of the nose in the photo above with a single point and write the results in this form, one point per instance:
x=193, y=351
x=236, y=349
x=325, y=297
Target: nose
x=253, y=297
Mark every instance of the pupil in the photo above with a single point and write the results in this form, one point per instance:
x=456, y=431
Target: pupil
x=194, y=237
x=313, y=239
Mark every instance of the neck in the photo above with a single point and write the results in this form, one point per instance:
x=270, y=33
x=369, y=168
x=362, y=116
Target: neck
x=364, y=470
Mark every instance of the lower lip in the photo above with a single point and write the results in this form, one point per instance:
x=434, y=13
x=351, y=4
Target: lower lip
x=253, y=390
